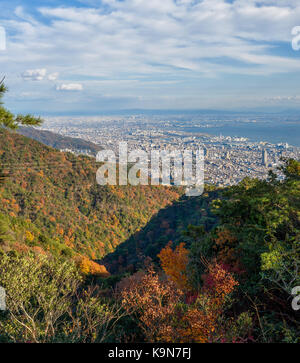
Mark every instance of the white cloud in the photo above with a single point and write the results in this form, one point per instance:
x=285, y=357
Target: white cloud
x=70, y=87
x=159, y=40
x=284, y=98
x=142, y=36
x=53, y=76
x=34, y=74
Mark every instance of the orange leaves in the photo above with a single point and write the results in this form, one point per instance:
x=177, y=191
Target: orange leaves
x=21, y=247
x=38, y=250
x=59, y=230
x=174, y=264
x=162, y=314
x=218, y=284
x=89, y=267
x=202, y=322
x=69, y=241
x=199, y=326
x=11, y=204
x=154, y=302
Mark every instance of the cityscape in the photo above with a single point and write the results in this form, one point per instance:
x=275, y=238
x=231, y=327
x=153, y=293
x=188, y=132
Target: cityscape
x=228, y=159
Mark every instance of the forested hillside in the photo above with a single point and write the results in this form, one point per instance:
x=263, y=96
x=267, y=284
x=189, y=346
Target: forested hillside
x=222, y=267
x=224, y=264
x=51, y=202
x=229, y=278
x=168, y=225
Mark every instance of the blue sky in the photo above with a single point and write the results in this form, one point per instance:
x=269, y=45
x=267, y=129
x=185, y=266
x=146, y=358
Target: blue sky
x=96, y=55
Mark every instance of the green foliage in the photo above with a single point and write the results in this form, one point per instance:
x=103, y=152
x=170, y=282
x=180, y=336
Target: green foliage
x=47, y=302
x=38, y=293
x=258, y=238
x=7, y=119
x=168, y=225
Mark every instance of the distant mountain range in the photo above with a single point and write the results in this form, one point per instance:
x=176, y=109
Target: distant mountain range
x=58, y=141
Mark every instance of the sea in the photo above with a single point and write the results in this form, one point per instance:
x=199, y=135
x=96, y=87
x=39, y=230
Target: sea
x=274, y=134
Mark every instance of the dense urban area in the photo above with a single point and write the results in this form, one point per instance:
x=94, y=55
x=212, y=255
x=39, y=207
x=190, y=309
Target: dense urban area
x=228, y=159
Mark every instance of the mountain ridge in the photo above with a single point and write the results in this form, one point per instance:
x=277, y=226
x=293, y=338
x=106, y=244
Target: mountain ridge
x=58, y=141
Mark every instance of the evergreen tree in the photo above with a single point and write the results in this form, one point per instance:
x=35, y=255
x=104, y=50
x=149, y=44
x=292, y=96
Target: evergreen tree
x=11, y=121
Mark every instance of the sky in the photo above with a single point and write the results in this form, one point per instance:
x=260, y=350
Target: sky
x=87, y=57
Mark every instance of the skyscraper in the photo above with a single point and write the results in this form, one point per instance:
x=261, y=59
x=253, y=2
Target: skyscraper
x=264, y=157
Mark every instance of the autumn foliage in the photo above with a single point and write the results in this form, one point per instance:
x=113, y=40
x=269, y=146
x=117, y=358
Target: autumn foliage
x=153, y=302
x=89, y=267
x=174, y=263
x=203, y=322
x=161, y=306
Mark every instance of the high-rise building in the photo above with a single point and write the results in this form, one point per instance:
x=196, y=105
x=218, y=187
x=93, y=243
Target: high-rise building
x=264, y=160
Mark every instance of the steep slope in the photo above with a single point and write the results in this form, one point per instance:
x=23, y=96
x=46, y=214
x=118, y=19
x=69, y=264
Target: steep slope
x=51, y=202
x=58, y=141
x=170, y=224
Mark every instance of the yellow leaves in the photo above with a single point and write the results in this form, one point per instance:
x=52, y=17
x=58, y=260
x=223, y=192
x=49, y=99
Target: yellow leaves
x=115, y=220
x=271, y=260
x=29, y=236
x=89, y=267
x=174, y=264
